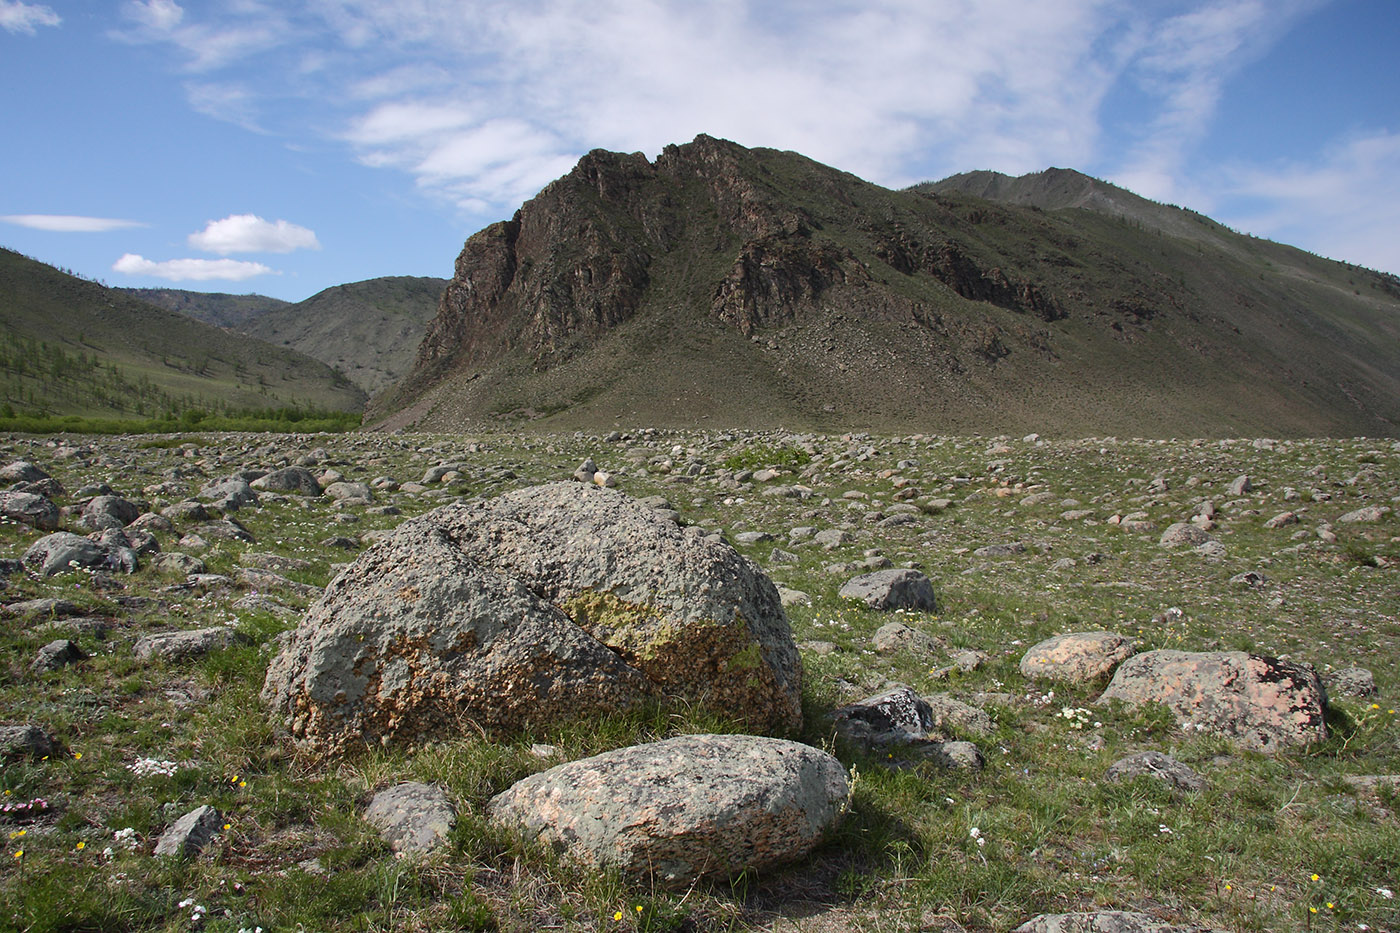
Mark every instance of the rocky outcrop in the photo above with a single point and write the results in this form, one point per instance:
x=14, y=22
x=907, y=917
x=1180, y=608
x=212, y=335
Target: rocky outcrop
x=548, y=603
x=1261, y=703
x=681, y=809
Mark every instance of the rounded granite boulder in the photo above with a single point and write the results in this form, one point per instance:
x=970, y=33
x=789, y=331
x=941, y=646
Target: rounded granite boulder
x=550, y=603
x=684, y=808
x=1260, y=703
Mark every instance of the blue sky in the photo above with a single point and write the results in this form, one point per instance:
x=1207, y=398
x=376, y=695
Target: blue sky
x=284, y=147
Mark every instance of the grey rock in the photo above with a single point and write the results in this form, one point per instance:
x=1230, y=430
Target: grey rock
x=896, y=636
x=897, y=716
x=173, y=646
x=227, y=530
x=188, y=836
x=1355, y=682
x=682, y=809
x=957, y=756
x=1104, y=921
x=892, y=589
x=829, y=539
x=1000, y=550
x=1076, y=657
x=22, y=471
x=546, y=603
x=1157, y=766
x=259, y=579
x=779, y=556
x=1367, y=515
x=1251, y=578
x=26, y=741
x=296, y=480
x=109, y=512
x=63, y=551
x=413, y=818
x=752, y=537
x=30, y=508
x=793, y=597
x=1186, y=533
x=1258, y=702
x=230, y=494
x=1282, y=519
x=187, y=511
x=1239, y=486
x=177, y=562
x=947, y=713
x=45, y=608
x=57, y=654
x=344, y=491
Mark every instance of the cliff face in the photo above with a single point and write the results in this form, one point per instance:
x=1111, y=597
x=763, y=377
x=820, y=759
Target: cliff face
x=808, y=270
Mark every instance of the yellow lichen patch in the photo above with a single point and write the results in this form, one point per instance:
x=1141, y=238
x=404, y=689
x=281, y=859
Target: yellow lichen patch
x=631, y=628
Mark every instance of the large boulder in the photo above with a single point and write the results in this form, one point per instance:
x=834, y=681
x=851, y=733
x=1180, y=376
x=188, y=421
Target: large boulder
x=21, y=471
x=1077, y=657
x=31, y=509
x=1259, y=702
x=684, y=808
x=103, y=512
x=63, y=551
x=297, y=480
x=547, y=603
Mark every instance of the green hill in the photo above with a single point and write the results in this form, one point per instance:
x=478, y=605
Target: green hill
x=217, y=308
x=367, y=330
x=74, y=347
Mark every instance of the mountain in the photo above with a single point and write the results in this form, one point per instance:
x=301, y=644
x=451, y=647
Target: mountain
x=726, y=286
x=71, y=346
x=217, y=308
x=366, y=330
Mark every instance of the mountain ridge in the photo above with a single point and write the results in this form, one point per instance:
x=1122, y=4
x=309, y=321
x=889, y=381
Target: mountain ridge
x=631, y=289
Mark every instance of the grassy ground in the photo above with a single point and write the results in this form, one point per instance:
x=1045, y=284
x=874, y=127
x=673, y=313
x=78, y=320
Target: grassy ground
x=1269, y=844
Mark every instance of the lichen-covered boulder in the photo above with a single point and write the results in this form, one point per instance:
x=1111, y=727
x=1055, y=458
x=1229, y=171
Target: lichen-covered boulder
x=548, y=603
x=1261, y=703
x=1077, y=657
x=685, y=808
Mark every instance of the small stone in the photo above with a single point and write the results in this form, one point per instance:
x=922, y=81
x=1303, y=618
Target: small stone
x=1158, y=766
x=414, y=818
x=892, y=589
x=190, y=833
x=1355, y=682
x=57, y=654
x=1077, y=657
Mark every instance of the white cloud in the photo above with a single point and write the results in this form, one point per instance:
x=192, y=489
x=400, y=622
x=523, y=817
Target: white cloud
x=1344, y=204
x=191, y=270
x=1182, y=64
x=17, y=17
x=248, y=28
x=227, y=102
x=249, y=233
x=66, y=223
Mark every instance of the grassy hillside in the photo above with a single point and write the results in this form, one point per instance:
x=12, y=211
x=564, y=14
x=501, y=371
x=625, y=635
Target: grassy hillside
x=366, y=330
x=218, y=308
x=73, y=347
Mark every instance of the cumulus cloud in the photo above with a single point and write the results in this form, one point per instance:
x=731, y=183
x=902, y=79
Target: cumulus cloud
x=191, y=270
x=66, y=223
x=17, y=17
x=249, y=233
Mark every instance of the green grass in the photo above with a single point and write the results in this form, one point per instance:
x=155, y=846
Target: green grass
x=1239, y=855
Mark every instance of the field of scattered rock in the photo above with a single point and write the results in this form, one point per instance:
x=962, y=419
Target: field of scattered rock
x=1151, y=680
